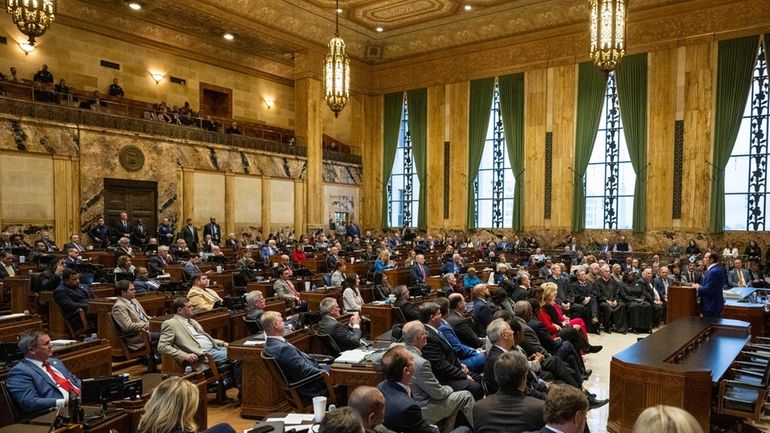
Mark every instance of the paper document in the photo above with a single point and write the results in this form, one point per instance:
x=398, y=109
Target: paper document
x=253, y=342
x=352, y=356
x=294, y=419
x=62, y=342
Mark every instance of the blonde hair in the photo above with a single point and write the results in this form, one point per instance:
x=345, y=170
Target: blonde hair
x=172, y=405
x=384, y=256
x=549, y=291
x=666, y=419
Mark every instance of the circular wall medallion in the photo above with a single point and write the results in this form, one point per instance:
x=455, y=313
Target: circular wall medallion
x=131, y=158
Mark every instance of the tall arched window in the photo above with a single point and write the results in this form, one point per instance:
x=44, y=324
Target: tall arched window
x=494, y=184
x=610, y=178
x=403, y=185
x=746, y=172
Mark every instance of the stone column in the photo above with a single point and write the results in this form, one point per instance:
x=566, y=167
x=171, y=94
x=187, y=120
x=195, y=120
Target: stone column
x=266, y=209
x=229, y=223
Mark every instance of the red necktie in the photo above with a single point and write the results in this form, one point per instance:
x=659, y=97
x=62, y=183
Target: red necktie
x=63, y=382
x=293, y=291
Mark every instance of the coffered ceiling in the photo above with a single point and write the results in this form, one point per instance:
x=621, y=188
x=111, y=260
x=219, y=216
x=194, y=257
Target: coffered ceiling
x=269, y=32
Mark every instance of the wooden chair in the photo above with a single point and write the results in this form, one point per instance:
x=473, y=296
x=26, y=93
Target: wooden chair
x=146, y=351
x=753, y=373
x=76, y=323
x=216, y=375
x=290, y=389
x=327, y=341
x=10, y=412
x=740, y=399
x=254, y=326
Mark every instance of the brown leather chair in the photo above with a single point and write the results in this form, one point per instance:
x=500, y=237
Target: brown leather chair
x=289, y=390
x=146, y=351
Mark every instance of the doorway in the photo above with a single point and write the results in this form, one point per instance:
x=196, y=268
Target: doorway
x=216, y=101
x=138, y=198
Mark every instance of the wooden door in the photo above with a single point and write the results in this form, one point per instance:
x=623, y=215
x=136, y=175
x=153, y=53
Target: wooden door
x=216, y=101
x=137, y=198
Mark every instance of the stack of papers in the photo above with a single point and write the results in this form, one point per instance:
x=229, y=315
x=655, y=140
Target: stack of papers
x=62, y=342
x=352, y=356
x=253, y=342
x=297, y=421
x=12, y=316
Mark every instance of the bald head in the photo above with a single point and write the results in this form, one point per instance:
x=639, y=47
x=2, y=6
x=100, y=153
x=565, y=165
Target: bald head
x=369, y=403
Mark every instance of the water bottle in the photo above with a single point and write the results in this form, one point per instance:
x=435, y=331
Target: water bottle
x=332, y=407
x=187, y=370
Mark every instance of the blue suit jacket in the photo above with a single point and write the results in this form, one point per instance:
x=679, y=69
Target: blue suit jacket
x=402, y=414
x=33, y=389
x=417, y=276
x=462, y=351
x=711, y=298
x=296, y=365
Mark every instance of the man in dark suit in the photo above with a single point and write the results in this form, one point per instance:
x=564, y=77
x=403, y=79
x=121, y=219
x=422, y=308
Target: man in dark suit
x=157, y=263
x=73, y=260
x=165, y=233
x=346, y=337
x=331, y=260
x=712, y=300
x=519, y=292
x=443, y=360
x=420, y=271
x=509, y=410
x=74, y=243
x=482, y=311
x=123, y=228
x=143, y=283
x=653, y=295
x=693, y=274
x=402, y=413
x=353, y=230
x=738, y=276
x=190, y=235
x=50, y=245
x=460, y=324
x=100, y=234
x=213, y=229
x=50, y=278
x=7, y=267
x=296, y=365
x=39, y=382
x=71, y=295
x=403, y=303
x=565, y=410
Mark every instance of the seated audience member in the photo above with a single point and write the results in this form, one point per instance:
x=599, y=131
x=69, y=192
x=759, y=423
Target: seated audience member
x=284, y=289
x=402, y=413
x=51, y=277
x=482, y=310
x=450, y=281
x=129, y=314
x=7, y=267
x=666, y=419
x=445, y=363
x=342, y=420
x=346, y=337
x=172, y=407
x=233, y=129
x=560, y=326
x=71, y=296
x=383, y=262
x=565, y=410
x=298, y=256
x=50, y=245
x=612, y=310
x=499, y=300
x=99, y=234
x=622, y=246
x=460, y=324
x=43, y=76
x=403, y=303
x=143, y=283
x=115, y=89
x=285, y=263
x=62, y=88
x=39, y=382
x=157, y=263
x=653, y=296
x=124, y=247
x=13, y=77
x=210, y=124
x=75, y=243
x=124, y=266
x=338, y=276
x=509, y=410
x=39, y=253
x=208, y=244
x=96, y=103
x=351, y=294
x=152, y=246
x=471, y=357
x=471, y=280
x=455, y=265
x=73, y=260
x=381, y=289
x=184, y=338
x=295, y=364
x=46, y=94
x=201, y=297
x=738, y=276
x=438, y=402
x=191, y=268
x=255, y=305
x=369, y=403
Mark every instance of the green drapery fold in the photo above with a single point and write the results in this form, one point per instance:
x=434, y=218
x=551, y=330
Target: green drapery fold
x=592, y=84
x=393, y=106
x=417, y=103
x=512, y=110
x=632, y=97
x=482, y=92
x=735, y=64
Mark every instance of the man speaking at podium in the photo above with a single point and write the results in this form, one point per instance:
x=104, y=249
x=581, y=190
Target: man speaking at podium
x=710, y=290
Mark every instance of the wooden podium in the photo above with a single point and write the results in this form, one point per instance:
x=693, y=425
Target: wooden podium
x=682, y=302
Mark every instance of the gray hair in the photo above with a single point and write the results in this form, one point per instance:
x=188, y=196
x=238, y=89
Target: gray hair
x=123, y=240
x=28, y=340
x=253, y=296
x=326, y=305
x=495, y=330
x=447, y=276
x=411, y=331
x=163, y=248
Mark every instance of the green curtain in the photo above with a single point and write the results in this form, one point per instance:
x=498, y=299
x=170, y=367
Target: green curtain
x=512, y=108
x=632, y=97
x=482, y=92
x=417, y=103
x=735, y=64
x=394, y=105
x=592, y=84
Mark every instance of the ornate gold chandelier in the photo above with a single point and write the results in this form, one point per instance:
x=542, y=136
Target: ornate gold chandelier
x=608, y=32
x=32, y=17
x=336, y=71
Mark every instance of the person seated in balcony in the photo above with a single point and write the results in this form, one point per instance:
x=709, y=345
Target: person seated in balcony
x=115, y=89
x=14, y=77
x=233, y=129
x=210, y=124
x=43, y=76
x=95, y=103
x=62, y=88
x=46, y=94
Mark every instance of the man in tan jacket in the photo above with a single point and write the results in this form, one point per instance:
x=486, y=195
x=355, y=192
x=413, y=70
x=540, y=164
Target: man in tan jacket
x=129, y=315
x=201, y=297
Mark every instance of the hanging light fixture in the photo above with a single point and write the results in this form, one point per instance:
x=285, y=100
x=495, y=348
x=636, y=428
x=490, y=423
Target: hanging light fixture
x=608, y=32
x=336, y=70
x=32, y=17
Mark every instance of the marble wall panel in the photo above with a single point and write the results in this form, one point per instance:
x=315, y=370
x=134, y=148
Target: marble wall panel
x=339, y=173
x=208, y=197
x=26, y=189
x=248, y=199
x=281, y=204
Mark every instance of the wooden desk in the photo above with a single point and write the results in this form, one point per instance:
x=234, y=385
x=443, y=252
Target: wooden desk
x=749, y=308
x=223, y=280
x=400, y=276
x=215, y=322
x=19, y=287
x=314, y=299
x=57, y=328
x=115, y=420
x=135, y=408
x=677, y=365
x=355, y=375
x=266, y=287
x=384, y=316
x=12, y=327
x=84, y=359
x=154, y=304
x=681, y=302
x=260, y=393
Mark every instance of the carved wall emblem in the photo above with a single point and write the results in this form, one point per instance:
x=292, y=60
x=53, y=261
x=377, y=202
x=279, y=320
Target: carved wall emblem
x=131, y=158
